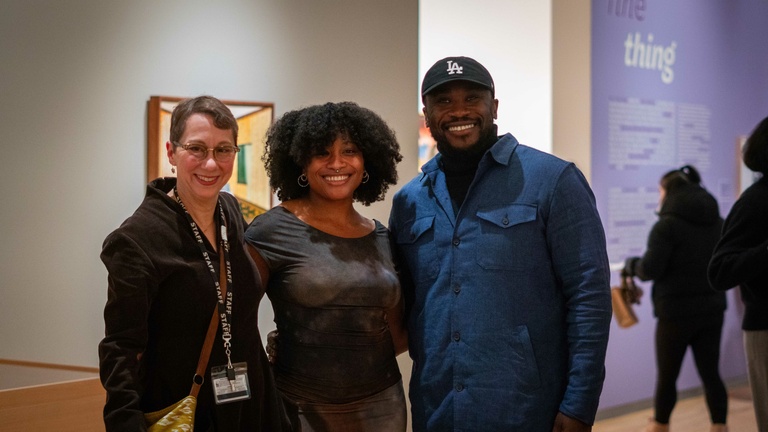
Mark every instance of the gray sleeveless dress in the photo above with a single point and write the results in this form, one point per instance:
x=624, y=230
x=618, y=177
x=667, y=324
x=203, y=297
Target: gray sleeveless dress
x=336, y=363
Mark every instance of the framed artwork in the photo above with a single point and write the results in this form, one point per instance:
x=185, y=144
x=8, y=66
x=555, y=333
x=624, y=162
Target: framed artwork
x=249, y=182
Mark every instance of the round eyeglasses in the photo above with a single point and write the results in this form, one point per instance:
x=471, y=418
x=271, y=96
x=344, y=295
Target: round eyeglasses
x=223, y=153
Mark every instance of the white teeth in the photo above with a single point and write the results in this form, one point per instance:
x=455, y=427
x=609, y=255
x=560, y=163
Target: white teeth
x=336, y=178
x=460, y=128
x=206, y=179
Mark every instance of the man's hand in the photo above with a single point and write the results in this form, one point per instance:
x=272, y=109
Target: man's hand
x=563, y=423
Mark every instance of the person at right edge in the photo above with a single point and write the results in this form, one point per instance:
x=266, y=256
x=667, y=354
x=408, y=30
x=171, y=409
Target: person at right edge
x=505, y=273
x=688, y=311
x=741, y=258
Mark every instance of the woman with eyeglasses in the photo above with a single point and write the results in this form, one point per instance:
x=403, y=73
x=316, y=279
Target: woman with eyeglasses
x=329, y=271
x=689, y=312
x=164, y=286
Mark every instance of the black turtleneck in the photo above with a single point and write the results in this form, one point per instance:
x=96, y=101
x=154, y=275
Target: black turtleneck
x=459, y=174
x=460, y=166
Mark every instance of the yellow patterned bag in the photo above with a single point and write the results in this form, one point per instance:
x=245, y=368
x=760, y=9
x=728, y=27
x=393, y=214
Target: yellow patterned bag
x=179, y=417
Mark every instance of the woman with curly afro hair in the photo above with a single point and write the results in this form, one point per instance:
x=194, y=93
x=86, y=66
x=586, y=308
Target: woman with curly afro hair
x=329, y=271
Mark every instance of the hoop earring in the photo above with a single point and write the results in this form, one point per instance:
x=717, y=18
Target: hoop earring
x=173, y=170
x=303, y=181
x=366, y=177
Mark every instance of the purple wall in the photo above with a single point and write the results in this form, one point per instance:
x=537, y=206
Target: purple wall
x=673, y=83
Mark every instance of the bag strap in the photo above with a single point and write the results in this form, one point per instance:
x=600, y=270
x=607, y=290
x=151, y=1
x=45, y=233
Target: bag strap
x=205, y=353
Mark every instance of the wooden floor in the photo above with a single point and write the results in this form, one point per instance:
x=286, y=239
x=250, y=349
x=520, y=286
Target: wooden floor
x=27, y=404
x=73, y=406
x=690, y=415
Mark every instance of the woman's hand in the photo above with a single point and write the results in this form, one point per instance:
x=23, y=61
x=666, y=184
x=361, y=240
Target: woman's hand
x=630, y=265
x=272, y=339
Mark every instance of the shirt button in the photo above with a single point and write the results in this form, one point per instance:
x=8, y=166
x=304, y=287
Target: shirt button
x=505, y=221
x=456, y=336
x=457, y=288
x=456, y=242
x=459, y=387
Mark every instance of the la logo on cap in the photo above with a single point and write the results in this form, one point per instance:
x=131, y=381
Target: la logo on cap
x=454, y=68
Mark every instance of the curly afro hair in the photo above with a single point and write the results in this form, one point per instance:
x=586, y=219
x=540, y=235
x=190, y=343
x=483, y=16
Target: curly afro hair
x=300, y=134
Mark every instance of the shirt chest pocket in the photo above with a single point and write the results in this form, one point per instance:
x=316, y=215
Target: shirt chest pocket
x=509, y=235
x=416, y=243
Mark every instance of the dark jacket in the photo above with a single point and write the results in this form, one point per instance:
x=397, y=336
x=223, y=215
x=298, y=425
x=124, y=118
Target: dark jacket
x=159, y=303
x=741, y=256
x=679, y=248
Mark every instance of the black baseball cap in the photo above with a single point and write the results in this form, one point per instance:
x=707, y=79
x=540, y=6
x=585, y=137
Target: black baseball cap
x=454, y=69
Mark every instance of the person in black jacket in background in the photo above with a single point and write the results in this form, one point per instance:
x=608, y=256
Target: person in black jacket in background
x=689, y=311
x=741, y=258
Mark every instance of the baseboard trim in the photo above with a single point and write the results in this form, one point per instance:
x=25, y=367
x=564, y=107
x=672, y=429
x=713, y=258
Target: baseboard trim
x=49, y=365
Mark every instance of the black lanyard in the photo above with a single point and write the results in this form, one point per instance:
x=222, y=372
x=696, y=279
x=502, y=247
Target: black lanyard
x=225, y=308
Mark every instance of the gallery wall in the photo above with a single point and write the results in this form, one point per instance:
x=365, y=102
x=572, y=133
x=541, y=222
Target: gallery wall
x=75, y=78
x=673, y=84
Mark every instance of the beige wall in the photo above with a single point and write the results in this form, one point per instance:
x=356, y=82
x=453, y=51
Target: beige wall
x=571, y=108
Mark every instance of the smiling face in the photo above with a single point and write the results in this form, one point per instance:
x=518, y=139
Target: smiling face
x=201, y=180
x=336, y=172
x=460, y=113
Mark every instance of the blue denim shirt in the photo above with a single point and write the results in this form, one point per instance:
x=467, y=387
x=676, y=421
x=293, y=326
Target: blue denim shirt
x=508, y=300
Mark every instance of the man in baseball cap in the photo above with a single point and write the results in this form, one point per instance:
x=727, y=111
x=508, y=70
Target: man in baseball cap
x=504, y=272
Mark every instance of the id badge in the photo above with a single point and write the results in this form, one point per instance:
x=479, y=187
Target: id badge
x=226, y=390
